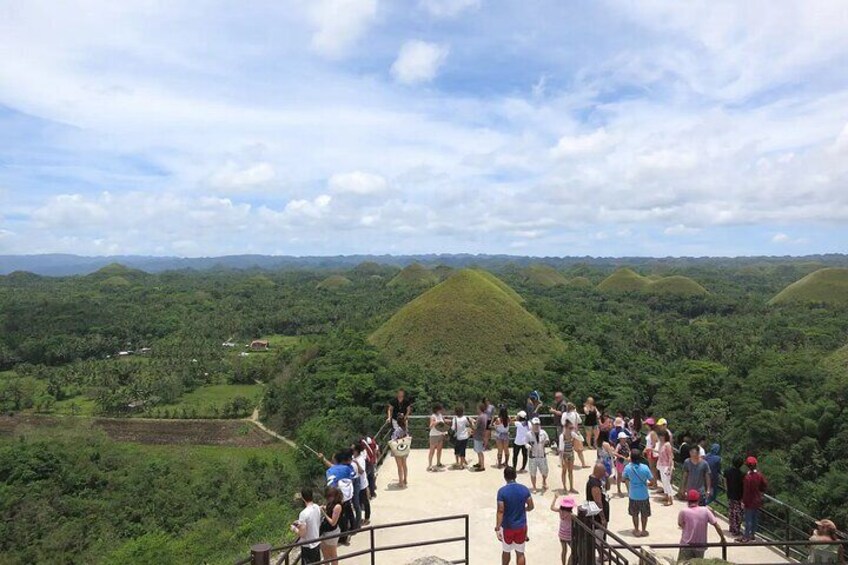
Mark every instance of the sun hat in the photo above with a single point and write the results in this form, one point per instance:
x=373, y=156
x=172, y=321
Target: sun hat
x=619, y=422
x=693, y=496
x=823, y=525
x=522, y=414
x=662, y=422
x=568, y=502
x=535, y=421
x=751, y=461
x=650, y=421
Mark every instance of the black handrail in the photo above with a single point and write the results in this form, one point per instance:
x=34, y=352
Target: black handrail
x=261, y=553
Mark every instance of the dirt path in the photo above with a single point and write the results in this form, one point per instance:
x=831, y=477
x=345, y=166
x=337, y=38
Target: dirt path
x=254, y=419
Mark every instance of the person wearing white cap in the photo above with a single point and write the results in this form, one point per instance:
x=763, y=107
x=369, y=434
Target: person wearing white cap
x=538, y=440
x=519, y=445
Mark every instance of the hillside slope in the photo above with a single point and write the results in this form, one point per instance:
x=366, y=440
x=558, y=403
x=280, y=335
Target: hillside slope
x=468, y=323
x=825, y=286
x=415, y=275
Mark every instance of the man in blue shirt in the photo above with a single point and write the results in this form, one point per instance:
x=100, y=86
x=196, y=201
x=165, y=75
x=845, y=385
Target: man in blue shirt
x=342, y=475
x=638, y=475
x=514, y=501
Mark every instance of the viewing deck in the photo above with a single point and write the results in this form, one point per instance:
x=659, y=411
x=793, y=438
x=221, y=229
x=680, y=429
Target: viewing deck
x=459, y=492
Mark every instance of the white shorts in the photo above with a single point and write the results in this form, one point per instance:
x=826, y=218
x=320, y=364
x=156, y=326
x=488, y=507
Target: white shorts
x=510, y=547
x=540, y=464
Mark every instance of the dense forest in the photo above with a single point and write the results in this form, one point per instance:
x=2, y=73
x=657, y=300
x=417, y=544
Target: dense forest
x=718, y=360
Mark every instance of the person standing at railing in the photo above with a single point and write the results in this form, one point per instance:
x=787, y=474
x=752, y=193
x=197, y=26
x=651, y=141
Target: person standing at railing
x=753, y=487
x=308, y=528
x=824, y=531
x=733, y=482
x=330, y=526
x=461, y=425
x=502, y=436
x=559, y=408
x=713, y=460
x=591, y=423
x=372, y=450
x=480, y=427
x=693, y=520
x=341, y=475
x=360, y=461
x=519, y=444
x=537, y=441
x=514, y=501
x=438, y=428
x=401, y=456
x=400, y=405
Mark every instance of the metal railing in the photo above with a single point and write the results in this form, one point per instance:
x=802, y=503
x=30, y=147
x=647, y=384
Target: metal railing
x=260, y=554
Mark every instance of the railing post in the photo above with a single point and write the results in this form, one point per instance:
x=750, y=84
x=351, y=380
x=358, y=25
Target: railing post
x=724, y=549
x=260, y=554
x=788, y=530
x=373, y=553
x=583, y=547
x=467, y=540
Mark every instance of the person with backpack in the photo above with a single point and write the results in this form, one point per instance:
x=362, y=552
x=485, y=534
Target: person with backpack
x=341, y=475
x=372, y=451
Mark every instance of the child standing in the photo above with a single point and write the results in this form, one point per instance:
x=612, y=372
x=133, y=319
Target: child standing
x=622, y=458
x=565, y=508
x=566, y=455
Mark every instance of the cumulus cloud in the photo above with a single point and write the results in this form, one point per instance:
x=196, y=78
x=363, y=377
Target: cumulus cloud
x=234, y=177
x=340, y=23
x=419, y=61
x=357, y=183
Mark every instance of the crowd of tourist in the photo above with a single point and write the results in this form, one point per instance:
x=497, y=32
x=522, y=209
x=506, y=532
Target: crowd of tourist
x=635, y=457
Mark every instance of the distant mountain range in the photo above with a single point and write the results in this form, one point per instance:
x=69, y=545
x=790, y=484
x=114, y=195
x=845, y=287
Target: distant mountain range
x=57, y=264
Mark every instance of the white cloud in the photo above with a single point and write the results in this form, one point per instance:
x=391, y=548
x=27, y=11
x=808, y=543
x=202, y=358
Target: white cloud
x=233, y=177
x=570, y=145
x=780, y=238
x=358, y=183
x=680, y=229
x=448, y=8
x=340, y=23
x=419, y=61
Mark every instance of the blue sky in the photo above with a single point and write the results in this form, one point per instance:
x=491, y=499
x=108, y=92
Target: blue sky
x=413, y=126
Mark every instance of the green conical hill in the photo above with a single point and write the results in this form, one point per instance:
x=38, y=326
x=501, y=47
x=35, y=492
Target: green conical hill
x=415, y=275
x=676, y=285
x=825, y=286
x=580, y=282
x=500, y=284
x=116, y=270
x=544, y=275
x=624, y=280
x=334, y=282
x=468, y=323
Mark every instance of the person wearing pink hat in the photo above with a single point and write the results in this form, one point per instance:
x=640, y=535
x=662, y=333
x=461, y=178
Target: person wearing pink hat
x=565, y=507
x=693, y=520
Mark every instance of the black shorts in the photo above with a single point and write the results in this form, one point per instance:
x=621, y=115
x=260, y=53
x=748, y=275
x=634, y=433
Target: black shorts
x=636, y=507
x=459, y=447
x=310, y=554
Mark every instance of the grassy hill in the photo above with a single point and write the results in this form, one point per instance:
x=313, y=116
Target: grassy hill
x=825, y=286
x=116, y=270
x=624, y=280
x=676, y=286
x=544, y=275
x=415, y=275
x=334, y=282
x=469, y=323
x=580, y=282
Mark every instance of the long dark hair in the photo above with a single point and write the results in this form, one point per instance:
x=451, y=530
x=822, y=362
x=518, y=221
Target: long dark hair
x=333, y=496
x=504, y=416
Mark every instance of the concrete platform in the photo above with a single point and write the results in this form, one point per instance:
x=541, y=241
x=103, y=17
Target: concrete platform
x=465, y=492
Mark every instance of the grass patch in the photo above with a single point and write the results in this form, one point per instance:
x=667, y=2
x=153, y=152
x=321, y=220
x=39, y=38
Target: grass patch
x=825, y=286
x=209, y=401
x=76, y=406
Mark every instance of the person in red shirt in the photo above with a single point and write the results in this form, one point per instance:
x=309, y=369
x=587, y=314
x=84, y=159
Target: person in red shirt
x=753, y=486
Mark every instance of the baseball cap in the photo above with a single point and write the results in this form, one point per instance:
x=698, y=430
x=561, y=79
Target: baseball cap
x=522, y=414
x=535, y=395
x=535, y=421
x=751, y=461
x=650, y=421
x=623, y=435
x=693, y=496
x=568, y=502
x=662, y=422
